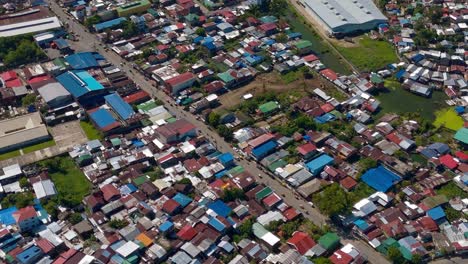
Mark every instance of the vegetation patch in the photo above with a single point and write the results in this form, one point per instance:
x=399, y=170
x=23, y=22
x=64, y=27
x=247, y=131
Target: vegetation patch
x=71, y=184
x=39, y=146
x=18, y=50
x=369, y=55
x=90, y=131
x=9, y=155
x=448, y=118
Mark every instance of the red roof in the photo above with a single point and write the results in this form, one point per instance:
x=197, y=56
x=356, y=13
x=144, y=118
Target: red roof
x=306, y=148
x=448, y=161
x=301, y=241
x=348, y=183
x=192, y=165
x=327, y=107
x=329, y=74
x=13, y=83
x=267, y=26
x=187, y=233
x=260, y=140
x=310, y=58
x=9, y=75
x=339, y=257
x=24, y=214
x=179, y=127
x=272, y=199
x=393, y=137
x=213, y=86
x=170, y=206
x=109, y=191
x=461, y=155
x=291, y=213
x=428, y=224
x=37, y=79
x=181, y=78
x=45, y=245
x=135, y=97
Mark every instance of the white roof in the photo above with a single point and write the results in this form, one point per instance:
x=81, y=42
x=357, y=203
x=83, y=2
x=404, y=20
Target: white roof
x=127, y=249
x=44, y=189
x=270, y=239
x=33, y=26
x=365, y=206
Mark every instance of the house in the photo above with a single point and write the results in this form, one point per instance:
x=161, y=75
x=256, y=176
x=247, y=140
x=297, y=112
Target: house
x=110, y=192
x=180, y=82
x=30, y=255
x=302, y=242
x=316, y=165
x=27, y=219
x=176, y=131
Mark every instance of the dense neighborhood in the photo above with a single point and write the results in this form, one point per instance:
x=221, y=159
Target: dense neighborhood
x=186, y=131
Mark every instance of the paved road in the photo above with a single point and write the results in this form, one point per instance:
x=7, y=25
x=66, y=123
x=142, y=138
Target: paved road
x=289, y=195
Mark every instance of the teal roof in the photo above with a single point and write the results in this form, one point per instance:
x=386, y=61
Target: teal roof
x=462, y=135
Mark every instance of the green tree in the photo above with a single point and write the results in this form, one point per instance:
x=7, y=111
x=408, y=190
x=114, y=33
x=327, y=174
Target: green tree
x=51, y=207
x=281, y=38
x=245, y=229
x=118, y=223
x=200, y=31
x=332, y=200
x=91, y=21
x=366, y=164
x=225, y=132
x=20, y=200
x=395, y=255
x=130, y=29
x=23, y=182
x=29, y=99
x=185, y=181
x=452, y=214
x=416, y=259
x=230, y=195
x=278, y=7
x=75, y=218
x=322, y=260
x=213, y=119
x=289, y=228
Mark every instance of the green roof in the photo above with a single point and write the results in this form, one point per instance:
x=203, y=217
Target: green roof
x=406, y=253
x=462, y=135
x=263, y=193
x=84, y=157
x=116, y=141
x=133, y=7
x=329, y=241
x=375, y=78
x=146, y=106
x=171, y=120
x=259, y=230
x=277, y=164
x=435, y=201
x=225, y=77
x=269, y=19
x=303, y=44
x=236, y=170
x=140, y=180
x=268, y=107
x=192, y=17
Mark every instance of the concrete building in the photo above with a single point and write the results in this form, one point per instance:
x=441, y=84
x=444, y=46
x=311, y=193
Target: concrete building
x=22, y=131
x=55, y=95
x=341, y=17
x=33, y=26
x=132, y=8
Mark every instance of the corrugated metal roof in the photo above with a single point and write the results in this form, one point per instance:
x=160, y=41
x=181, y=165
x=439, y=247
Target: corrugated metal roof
x=122, y=108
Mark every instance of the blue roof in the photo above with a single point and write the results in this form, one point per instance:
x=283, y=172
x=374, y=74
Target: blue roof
x=324, y=118
x=428, y=153
x=316, y=165
x=122, y=108
x=361, y=224
x=182, y=199
x=79, y=83
x=264, y=149
x=418, y=57
x=226, y=158
x=460, y=109
x=220, y=208
x=380, y=178
x=102, y=118
x=440, y=148
x=216, y=224
x=220, y=174
x=61, y=43
x=166, y=226
x=6, y=216
x=436, y=213
x=30, y=254
x=128, y=189
x=295, y=35
x=400, y=74
x=109, y=24
x=138, y=143
x=83, y=60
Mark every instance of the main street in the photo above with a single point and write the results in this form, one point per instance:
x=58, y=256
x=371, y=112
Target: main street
x=88, y=42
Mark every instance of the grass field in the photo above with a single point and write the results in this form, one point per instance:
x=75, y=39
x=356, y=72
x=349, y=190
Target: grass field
x=39, y=146
x=71, y=184
x=370, y=54
x=90, y=131
x=9, y=155
x=449, y=119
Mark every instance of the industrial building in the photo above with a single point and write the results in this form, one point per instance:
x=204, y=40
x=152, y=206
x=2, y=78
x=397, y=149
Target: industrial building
x=55, y=95
x=343, y=17
x=22, y=131
x=81, y=85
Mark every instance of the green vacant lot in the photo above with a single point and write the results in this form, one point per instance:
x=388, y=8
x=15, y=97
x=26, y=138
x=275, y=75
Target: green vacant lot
x=370, y=54
x=449, y=119
x=90, y=131
x=32, y=148
x=71, y=184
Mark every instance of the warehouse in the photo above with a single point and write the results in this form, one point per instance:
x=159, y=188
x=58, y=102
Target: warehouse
x=119, y=106
x=55, y=95
x=22, y=131
x=342, y=17
x=82, y=86
x=34, y=26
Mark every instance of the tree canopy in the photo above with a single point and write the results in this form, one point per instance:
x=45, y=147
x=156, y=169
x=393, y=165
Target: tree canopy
x=18, y=50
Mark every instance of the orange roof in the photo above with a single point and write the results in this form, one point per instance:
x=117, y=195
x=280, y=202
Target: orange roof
x=144, y=239
x=24, y=213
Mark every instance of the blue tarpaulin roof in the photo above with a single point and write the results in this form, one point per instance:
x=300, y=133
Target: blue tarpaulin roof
x=460, y=109
x=128, y=189
x=380, y=178
x=109, y=24
x=6, y=216
x=216, y=224
x=317, y=164
x=122, y=108
x=102, y=118
x=83, y=60
x=264, y=149
x=226, y=158
x=220, y=208
x=79, y=83
x=400, y=74
x=166, y=226
x=436, y=213
x=324, y=118
x=182, y=199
